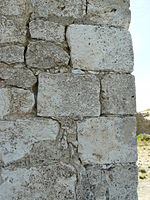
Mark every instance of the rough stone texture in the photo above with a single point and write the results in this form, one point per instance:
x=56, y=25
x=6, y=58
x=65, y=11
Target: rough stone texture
x=118, y=94
x=95, y=145
x=12, y=30
x=68, y=95
x=100, y=48
x=73, y=8
x=12, y=54
x=45, y=55
x=18, y=76
x=114, y=12
x=46, y=30
x=55, y=181
x=15, y=101
x=18, y=137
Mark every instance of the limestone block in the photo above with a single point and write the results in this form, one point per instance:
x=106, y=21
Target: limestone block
x=17, y=76
x=68, y=95
x=118, y=94
x=73, y=8
x=44, y=55
x=57, y=181
x=100, y=48
x=14, y=101
x=12, y=30
x=114, y=12
x=12, y=54
x=95, y=145
x=17, y=137
x=46, y=30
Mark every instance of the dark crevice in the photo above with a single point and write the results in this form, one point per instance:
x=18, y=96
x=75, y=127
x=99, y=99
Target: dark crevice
x=35, y=91
x=86, y=10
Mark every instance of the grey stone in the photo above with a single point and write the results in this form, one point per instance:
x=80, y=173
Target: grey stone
x=12, y=54
x=114, y=12
x=18, y=76
x=100, y=48
x=17, y=137
x=46, y=30
x=95, y=145
x=51, y=182
x=14, y=101
x=45, y=55
x=118, y=94
x=74, y=8
x=12, y=30
x=68, y=95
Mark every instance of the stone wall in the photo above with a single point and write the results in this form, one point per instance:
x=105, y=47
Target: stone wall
x=67, y=101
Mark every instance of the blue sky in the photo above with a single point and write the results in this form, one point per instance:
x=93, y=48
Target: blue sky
x=140, y=31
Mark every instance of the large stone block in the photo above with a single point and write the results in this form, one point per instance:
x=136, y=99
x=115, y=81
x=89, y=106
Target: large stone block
x=18, y=76
x=12, y=30
x=56, y=181
x=46, y=30
x=100, y=48
x=68, y=95
x=12, y=54
x=73, y=8
x=45, y=55
x=17, y=137
x=114, y=12
x=107, y=140
x=14, y=101
x=118, y=94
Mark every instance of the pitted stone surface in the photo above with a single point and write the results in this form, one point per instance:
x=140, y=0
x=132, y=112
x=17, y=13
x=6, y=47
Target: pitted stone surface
x=17, y=137
x=73, y=8
x=57, y=181
x=12, y=54
x=100, y=48
x=118, y=94
x=46, y=30
x=45, y=55
x=95, y=145
x=15, y=101
x=12, y=30
x=17, y=76
x=68, y=95
x=114, y=12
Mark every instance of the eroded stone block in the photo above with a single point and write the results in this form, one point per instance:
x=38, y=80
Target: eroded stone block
x=17, y=137
x=45, y=8
x=17, y=76
x=46, y=30
x=114, y=12
x=68, y=95
x=12, y=54
x=14, y=101
x=44, y=55
x=95, y=145
x=100, y=48
x=57, y=181
x=118, y=94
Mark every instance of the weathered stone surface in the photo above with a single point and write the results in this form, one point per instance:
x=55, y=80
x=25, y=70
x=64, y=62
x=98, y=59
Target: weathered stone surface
x=45, y=8
x=17, y=76
x=12, y=54
x=100, y=48
x=110, y=182
x=46, y=30
x=57, y=181
x=14, y=101
x=17, y=137
x=114, y=12
x=68, y=95
x=118, y=94
x=12, y=30
x=44, y=55
x=95, y=145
